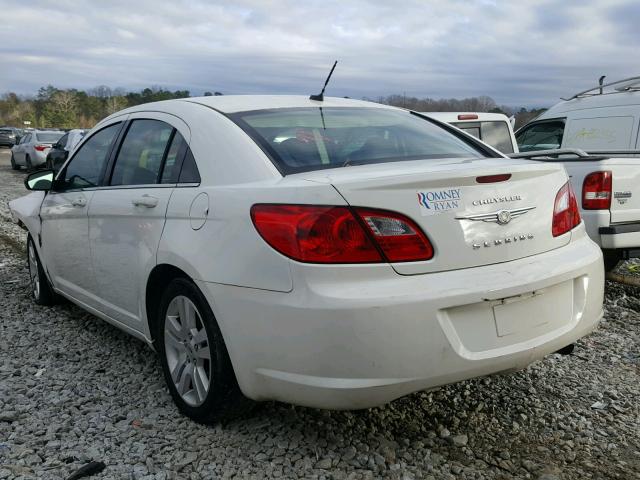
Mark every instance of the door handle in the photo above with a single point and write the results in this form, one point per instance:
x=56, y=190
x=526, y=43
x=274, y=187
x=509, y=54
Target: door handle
x=79, y=202
x=145, y=201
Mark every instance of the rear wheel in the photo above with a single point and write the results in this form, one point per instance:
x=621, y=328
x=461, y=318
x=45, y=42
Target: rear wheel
x=14, y=165
x=41, y=290
x=28, y=163
x=611, y=259
x=194, y=358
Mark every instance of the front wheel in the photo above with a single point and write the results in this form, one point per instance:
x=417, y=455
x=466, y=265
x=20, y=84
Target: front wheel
x=41, y=290
x=194, y=358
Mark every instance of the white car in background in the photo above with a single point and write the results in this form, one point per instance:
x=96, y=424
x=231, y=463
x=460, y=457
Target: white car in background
x=594, y=134
x=495, y=129
x=336, y=254
x=31, y=151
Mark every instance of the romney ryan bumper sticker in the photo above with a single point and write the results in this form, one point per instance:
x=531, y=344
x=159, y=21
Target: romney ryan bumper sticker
x=433, y=202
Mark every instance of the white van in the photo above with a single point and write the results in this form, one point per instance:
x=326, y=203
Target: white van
x=605, y=117
x=494, y=129
x=594, y=134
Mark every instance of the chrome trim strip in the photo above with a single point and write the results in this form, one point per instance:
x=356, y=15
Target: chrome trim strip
x=496, y=216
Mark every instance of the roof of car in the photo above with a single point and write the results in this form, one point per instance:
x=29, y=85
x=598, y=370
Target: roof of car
x=243, y=103
x=613, y=99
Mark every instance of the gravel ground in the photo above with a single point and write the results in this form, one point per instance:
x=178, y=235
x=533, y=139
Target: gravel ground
x=74, y=389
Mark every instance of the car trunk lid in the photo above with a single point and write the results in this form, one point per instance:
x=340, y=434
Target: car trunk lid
x=469, y=223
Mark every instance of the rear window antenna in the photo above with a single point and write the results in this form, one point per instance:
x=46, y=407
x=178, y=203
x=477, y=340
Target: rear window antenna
x=320, y=96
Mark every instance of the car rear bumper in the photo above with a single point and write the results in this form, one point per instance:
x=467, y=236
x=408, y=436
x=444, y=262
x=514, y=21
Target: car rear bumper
x=625, y=236
x=355, y=337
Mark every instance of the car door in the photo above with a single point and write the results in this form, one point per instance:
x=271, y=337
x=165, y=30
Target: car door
x=65, y=224
x=127, y=216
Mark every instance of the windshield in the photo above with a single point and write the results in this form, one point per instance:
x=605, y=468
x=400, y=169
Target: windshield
x=49, y=137
x=304, y=139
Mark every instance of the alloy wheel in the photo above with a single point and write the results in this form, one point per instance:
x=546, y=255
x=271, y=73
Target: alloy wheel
x=187, y=351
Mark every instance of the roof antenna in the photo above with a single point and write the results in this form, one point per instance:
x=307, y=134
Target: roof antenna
x=320, y=96
x=601, y=81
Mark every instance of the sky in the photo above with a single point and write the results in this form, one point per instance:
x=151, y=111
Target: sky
x=521, y=53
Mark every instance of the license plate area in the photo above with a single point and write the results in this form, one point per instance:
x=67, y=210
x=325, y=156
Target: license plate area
x=533, y=311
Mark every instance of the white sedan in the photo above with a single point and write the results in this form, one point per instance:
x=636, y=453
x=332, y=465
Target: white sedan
x=32, y=149
x=336, y=254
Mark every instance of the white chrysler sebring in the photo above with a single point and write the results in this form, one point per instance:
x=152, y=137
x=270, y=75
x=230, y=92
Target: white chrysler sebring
x=336, y=254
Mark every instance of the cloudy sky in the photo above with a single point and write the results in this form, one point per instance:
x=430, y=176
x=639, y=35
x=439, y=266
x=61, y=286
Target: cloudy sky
x=523, y=52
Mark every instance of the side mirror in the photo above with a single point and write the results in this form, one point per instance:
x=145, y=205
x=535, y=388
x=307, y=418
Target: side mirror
x=40, y=180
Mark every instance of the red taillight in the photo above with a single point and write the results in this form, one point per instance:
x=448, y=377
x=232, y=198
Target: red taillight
x=468, y=116
x=41, y=148
x=596, y=191
x=400, y=239
x=326, y=234
x=493, y=178
x=566, y=215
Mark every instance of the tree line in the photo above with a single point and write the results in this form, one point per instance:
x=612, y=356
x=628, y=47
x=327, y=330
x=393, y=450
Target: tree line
x=56, y=108
x=71, y=108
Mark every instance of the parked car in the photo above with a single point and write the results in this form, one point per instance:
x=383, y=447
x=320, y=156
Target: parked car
x=594, y=134
x=60, y=150
x=32, y=150
x=494, y=129
x=9, y=136
x=336, y=254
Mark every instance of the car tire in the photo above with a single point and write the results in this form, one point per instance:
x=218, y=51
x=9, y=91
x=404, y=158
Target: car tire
x=14, y=165
x=41, y=289
x=194, y=357
x=611, y=259
x=28, y=163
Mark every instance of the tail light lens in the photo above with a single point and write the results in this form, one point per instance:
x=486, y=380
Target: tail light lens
x=327, y=234
x=566, y=215
x=399, y=238
x=596, y=191
x=41, y=148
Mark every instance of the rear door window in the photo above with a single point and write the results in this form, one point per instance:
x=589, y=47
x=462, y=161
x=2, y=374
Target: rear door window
x=541, y=136
x=47, y=137
x=139, y=160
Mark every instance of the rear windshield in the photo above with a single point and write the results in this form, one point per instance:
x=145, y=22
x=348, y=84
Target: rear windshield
x=5, y=130
x=49, y=137
x=313, y=138
x=494, y=133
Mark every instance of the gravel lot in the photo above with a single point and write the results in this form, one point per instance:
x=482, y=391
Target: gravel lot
x=74, y=389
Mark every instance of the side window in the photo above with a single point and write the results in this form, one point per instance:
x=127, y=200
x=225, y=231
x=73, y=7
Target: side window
x=26, y=139
x=189, y=172
x=541, y=136
x=85, y=167
x=175, y=153
x=140, y=156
